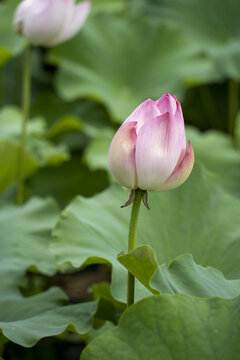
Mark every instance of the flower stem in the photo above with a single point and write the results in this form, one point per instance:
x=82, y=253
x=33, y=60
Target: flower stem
x=233, y=106
x=25, y=115
x=132, y=242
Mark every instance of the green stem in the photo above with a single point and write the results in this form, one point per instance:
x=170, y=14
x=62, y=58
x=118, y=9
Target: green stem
x=132, y=242
x=25, y=115
x=233, y=106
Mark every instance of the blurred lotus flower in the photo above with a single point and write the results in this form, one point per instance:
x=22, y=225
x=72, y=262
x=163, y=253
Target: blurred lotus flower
x=149, y=150
x=50, y=22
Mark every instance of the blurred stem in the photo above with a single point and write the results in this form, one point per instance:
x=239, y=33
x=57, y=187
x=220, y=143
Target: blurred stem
x=233, y=105
x=26, y=93
x=132, y=242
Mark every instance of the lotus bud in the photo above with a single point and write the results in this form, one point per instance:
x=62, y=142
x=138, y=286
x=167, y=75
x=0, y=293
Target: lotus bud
x=50, y=22
x=149, y=149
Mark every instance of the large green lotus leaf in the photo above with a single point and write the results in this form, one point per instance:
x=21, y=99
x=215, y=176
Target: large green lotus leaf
x=197, y=218
x=10, y=43
x=218, y=154
x=122, y=62
x=182, y=276
x=27, y=320
x=172, y=327
x=212, y=24
x=93, y=333
x=24, y=241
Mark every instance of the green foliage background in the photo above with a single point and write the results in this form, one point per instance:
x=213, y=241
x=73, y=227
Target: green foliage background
x=63, y=260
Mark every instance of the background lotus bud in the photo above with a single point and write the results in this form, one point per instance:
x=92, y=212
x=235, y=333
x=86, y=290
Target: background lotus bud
x=149, y=149
x=50, y=22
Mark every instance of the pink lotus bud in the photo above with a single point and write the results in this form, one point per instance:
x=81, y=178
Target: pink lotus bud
x=50, y=22
x=149, y=149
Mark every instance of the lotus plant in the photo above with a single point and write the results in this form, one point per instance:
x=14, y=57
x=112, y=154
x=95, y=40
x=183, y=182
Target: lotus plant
x=148, y=153
x=45, y=23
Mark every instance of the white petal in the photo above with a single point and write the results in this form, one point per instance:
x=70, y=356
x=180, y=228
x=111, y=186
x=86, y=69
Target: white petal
x=181, y=171
x=43, y=20
x=167, y=103
x=158, y=149
x=20, y=14
x=74, y=20
x=146, y=111
x=121, y=156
